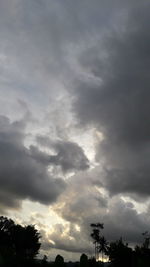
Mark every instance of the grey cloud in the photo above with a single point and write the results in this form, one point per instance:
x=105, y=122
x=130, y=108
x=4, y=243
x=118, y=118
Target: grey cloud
x=81, y=198
x=123, y=220
x=79, y=206
x=40, y=156
x=70, y=241
x=40, y=43
x=21, y=175
x=133, y=182
x=119, y=105
x=119, y=108
x=37, y=36
x=68, y=155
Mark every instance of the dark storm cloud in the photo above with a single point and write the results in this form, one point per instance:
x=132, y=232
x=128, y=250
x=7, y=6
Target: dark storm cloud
x=68, y=155
x=46, y=48
x=119, y=105
x=22, y=176
x=38, y=38
x=123, y=220
x=119, y=108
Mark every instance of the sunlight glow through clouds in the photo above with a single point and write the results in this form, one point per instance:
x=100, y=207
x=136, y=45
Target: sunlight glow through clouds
x=74, y=118
x=38, y=213
x=140, y=207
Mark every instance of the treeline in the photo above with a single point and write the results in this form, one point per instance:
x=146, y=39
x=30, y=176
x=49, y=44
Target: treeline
x=19, y=246
x=119, y=253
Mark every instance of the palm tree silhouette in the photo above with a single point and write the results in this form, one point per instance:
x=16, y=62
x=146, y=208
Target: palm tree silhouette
x=103, y=246
x=96, y=235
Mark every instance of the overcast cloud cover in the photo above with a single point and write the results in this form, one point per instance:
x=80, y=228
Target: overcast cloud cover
x=74, y=119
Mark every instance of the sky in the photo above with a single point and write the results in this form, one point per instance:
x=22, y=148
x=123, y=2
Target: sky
x=74, y=120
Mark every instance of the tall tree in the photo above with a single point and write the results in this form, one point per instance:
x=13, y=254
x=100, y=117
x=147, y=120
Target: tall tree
x=103, y=246
x=146, y=239
x=96, y=236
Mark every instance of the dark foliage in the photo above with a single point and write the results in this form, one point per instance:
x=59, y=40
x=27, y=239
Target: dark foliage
x=92, y=262
x=84, y=261
x=18, y=244
x=59, y=261
x=96, y=227
x=103, y=246
x=120, y=254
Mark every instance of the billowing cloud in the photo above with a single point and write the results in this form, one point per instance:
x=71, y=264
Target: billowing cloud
x=68, y=155
x=80, y=67
x=83, y=205
x=117, y=103
x=21, y=175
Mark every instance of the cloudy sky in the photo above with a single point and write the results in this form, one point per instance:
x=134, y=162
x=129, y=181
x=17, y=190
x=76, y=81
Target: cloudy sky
x=75, y=119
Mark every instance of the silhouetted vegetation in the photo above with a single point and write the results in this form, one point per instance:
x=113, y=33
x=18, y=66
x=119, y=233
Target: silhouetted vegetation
x=84, y=261
x=44, y=261
x=19, y=246
x=59, y=261
x=119, y=253
x=96, y=236
x=103, y=246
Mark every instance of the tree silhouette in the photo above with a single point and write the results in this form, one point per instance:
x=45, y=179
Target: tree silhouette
x=120, y=254
x=142, y=253
x=18, y=244
x=44, y=261
x=59, y=261
x=26, y=242
x=103, y=246
x=146, y=239
x=83, y=261
x=6, y=247
x=96, y=236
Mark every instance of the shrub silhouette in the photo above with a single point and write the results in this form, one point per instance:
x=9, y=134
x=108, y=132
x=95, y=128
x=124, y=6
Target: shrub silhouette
x=59, y=261
x=84, y=261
